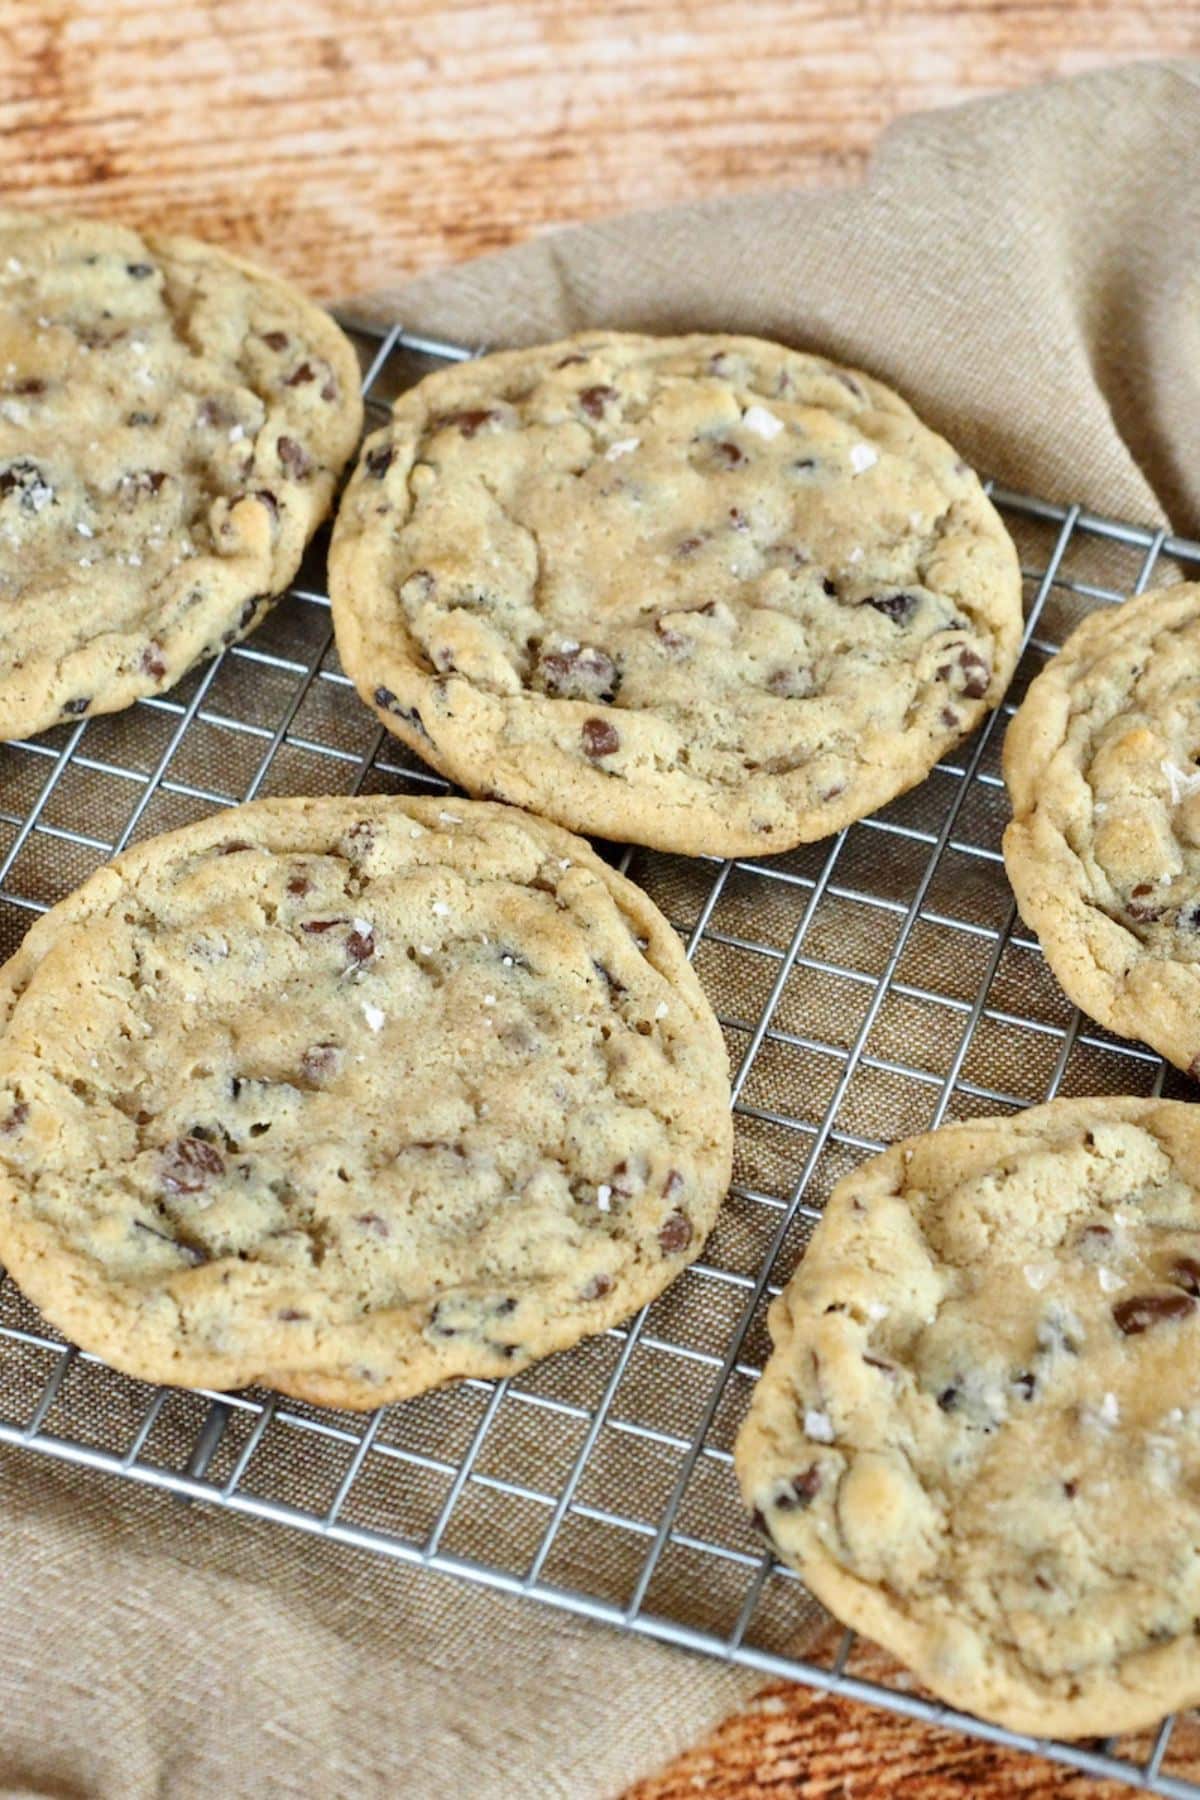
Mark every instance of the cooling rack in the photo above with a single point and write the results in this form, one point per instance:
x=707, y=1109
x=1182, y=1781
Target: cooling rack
x=869, y=986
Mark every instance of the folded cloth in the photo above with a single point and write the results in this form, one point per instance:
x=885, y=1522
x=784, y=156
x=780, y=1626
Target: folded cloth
x=1024, y=271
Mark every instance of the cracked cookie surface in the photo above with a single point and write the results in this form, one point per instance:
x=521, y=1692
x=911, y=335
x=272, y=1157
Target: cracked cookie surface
x=977, y=1438
x=172, y=426
x=1102, y=764
x=354, y=1097
x=702, y=593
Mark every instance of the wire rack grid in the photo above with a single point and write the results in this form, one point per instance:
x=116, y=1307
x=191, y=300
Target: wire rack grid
x=869, y=986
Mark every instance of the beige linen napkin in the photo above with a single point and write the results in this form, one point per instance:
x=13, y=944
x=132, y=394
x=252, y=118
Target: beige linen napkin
x=1025, y=271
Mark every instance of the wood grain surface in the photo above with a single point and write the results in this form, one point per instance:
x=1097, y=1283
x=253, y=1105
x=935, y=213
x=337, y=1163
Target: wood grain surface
x=351, y=142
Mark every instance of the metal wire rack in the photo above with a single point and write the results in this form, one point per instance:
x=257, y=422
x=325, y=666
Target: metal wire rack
x=869, y=986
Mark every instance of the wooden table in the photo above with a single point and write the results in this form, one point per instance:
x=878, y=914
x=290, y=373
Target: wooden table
x=351, y=143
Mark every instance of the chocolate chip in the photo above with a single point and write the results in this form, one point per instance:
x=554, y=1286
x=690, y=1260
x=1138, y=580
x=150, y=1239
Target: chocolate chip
x=140, y=484
x=949, y=718
x=675, y=1233
x=805, y=1488
x=360, y=946
x=611, y=981
x=1143, y=1310
x=139, y=271
x=290, y=1316
x=727, y=455
x=390, y=703
x=583, y=674
x=189, y=1164
x=596, y=1288
x=671, y=639
x=299, y=376
x=1025, y=1384
x=314, y=927
x=379, y=460
x=299, y=885
x=1188, y=917
x=294, y=457
x=1140, y=910
x=600, y=739
x=829, y=587
x=949, y=1398
x=467, y=422
x=213, y=414
x=689, y=545
x=374, y=1223
x=29, y=387
x=1070, y=1489
x=1185, y=1273
x=26, y=480
x=738, y=520
x=594, y=400
x=897, y=607
x=152, y=662
x=275, y=340
x=16, y=1118
x=74, y=709
x=141, y=418
x=977, y=673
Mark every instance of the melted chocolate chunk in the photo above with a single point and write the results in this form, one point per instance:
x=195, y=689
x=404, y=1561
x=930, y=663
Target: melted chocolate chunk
x=26, y=481
x=1185, y=1273
x=139, y=271
x=594, y=400
x=600, y=739
x=728, y=455
x=153, y=663
x=275, y=340
x=389, y=702
x=140, y=484
x=1142, y=1311
x=899, y=608
x=379, y=460
x=294, y=457
x=360, y=946
x=675, y=1233
x=75, y=709
x=583, y=674
x=16, y=1118
x=300, y=376
x=189, y=1164
x=1141, y=910
x=596, y=1288
x=804, y=1490
x=467, y=422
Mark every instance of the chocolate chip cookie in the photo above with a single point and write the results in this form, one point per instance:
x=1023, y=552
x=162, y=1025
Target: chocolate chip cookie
x=1102, y=763
x=172, y=425
x=354, y=1097
x=978, y=1436
x=702, y=593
